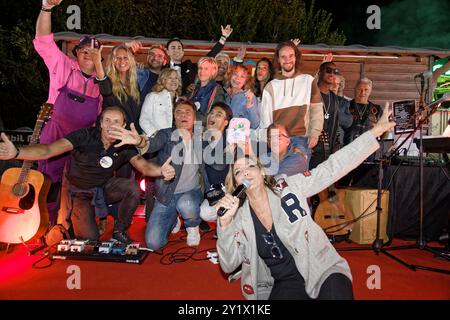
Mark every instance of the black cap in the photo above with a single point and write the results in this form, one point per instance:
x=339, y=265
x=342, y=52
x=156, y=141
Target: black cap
x=86, y=41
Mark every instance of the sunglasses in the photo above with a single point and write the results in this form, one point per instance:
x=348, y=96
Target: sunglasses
x=275, y=250
x=332, y=70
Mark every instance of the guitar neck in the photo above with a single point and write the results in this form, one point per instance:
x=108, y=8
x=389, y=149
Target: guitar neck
x=27, y=164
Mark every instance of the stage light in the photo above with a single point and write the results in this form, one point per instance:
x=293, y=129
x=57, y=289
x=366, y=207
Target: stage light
x=437, y=66
x=142, y=184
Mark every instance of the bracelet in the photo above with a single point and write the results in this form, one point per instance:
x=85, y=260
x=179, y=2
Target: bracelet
x=17, y=153
x=223, y=38
x=102, y=79
x=140, y=142
x=46, y=10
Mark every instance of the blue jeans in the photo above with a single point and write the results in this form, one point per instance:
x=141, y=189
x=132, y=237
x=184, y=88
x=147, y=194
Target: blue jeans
x=301, y=142
x=164, y=218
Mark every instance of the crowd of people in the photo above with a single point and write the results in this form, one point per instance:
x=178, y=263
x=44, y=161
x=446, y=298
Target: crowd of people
x=170, y=119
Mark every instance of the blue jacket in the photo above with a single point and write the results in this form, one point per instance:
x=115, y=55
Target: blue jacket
x=238, y=106
x=163, y=142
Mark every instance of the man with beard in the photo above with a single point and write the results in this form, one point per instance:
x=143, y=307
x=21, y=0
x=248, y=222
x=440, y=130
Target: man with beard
x=293, y=100
x=157, y=58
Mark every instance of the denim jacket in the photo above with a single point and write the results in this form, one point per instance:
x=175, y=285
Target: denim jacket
x=163, y=142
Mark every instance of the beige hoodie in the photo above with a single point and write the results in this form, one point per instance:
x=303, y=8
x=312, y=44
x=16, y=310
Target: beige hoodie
x=288, y=101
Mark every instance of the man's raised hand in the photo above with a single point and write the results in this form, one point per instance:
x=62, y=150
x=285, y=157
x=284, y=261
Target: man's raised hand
x=226, y=31
x=48, y=4
x=131, y=137
x=167, y=171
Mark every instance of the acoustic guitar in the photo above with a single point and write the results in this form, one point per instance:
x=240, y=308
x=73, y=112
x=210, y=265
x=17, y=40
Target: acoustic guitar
x=333, y=213
x=23, y=194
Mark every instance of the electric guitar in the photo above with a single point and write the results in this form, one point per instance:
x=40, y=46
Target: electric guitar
x=333, y=213
x=23, y=194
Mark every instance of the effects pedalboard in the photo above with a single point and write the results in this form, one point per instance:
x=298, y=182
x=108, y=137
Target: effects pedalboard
x=110, y=251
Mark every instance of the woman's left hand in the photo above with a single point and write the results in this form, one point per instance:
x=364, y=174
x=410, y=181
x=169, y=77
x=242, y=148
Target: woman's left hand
x=384, y=124
x=250, y=98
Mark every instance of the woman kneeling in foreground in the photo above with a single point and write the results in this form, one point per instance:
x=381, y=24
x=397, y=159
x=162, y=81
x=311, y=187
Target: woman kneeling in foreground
x=284, y=254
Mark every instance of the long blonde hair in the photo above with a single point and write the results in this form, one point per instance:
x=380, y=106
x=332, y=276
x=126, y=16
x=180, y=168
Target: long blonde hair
x=130, y=88
x=163, y=78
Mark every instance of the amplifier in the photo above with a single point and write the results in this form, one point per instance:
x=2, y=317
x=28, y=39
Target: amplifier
x=365, y=201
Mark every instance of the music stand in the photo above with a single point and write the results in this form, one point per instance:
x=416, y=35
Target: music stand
x=421, y=243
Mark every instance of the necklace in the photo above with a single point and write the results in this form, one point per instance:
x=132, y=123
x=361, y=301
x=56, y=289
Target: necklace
x=327, y=109
x=361, y=114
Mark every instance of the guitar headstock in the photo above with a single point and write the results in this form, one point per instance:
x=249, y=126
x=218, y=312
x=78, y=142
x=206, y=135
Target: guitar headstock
x=45, y=112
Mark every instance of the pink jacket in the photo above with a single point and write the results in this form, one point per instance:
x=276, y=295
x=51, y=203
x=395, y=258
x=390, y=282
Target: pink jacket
x=59, y=66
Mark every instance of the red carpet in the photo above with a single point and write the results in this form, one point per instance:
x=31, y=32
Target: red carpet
x=200, y=280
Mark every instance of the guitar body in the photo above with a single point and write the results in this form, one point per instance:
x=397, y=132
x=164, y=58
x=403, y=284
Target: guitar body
x=333, y=211
x=23, y=208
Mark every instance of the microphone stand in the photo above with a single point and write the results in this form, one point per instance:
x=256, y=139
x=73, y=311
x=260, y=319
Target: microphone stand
x=421, y=242
x=377, y=244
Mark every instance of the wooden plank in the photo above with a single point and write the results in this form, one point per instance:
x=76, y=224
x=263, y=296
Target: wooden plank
x=383, y=68
x=400, y=77
x=383, y=95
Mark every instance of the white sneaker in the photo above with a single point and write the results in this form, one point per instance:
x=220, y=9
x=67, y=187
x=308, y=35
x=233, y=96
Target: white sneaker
x=193, y=236
x=177, y=226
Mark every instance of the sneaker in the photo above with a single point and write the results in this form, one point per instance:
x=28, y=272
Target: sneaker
x=122, y=237
x=102, y=223
x=193, y=236
x=177, y=226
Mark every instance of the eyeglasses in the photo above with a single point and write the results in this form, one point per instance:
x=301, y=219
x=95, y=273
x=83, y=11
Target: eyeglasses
x=278, y=136
x=275, y=250
x=332, y=70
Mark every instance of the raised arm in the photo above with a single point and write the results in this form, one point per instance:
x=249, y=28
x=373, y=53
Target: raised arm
x=33, y=152
x=342, y=161
x=44, y=20
x=96, y=56
x=226, y=32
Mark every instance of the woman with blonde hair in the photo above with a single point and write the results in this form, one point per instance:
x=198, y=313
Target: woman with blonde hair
x=119, y=85
x=241, y=98
x=157, y=110
x=284, y=254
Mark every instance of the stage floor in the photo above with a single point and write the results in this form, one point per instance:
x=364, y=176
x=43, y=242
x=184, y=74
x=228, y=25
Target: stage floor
x=198, y=279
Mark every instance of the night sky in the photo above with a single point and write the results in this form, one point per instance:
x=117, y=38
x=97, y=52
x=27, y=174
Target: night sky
x=408, y=23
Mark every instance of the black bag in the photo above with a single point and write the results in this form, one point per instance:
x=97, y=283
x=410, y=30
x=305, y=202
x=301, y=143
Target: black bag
x=215, y=193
